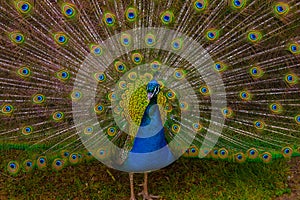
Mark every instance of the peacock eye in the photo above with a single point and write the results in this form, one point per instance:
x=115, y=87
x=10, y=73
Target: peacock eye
x=69, y=10
x=136, y=58
x=131, y=14
x=12, y=165
x=167, y=17
x=23, y=7
x=199, y=5
x=237, y=3
x=109, y=19
x=17, y=37
x=58, y=163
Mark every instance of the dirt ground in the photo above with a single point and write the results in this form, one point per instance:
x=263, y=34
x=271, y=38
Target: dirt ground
x=294, y=181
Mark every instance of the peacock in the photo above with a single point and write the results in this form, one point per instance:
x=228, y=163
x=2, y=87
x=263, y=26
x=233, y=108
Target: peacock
x=138, y=84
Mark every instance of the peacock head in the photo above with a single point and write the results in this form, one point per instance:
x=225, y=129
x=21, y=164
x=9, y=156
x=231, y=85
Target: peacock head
x=153, y=88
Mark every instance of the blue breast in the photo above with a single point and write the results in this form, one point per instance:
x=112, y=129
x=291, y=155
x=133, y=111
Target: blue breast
x=149, y=139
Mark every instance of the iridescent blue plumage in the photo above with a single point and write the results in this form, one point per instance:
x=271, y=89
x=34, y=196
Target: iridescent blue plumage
x=150, y=150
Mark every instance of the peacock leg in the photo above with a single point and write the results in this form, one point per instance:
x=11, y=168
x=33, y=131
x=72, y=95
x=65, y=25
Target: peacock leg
x=145, y=193
x=132, y=197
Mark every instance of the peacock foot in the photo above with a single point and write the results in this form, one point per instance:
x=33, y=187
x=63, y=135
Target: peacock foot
x=147, y=196
x=132, y=198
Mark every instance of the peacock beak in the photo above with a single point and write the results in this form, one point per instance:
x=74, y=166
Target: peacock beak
x=149, y=95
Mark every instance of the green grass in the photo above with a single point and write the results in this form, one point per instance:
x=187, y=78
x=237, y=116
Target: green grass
x=185, y=179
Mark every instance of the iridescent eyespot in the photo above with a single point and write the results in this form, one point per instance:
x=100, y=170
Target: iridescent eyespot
x=183, y=106
x=112, y=96
x=197, y=126
x=177, y=44
x=204, y=90
x=294, y=48
x=254, y=36
x=132, y=76
x=256, y=72
x=61, y=38
x=76, y=95
x=204, y=152
x=27, y=165
x=74, y=158
x=150, y=40
x=111, y=131
x=155, y=65
x=23, y=7
x=131, y=14
x=100, y=77
x=168, y=108
x=88, y=130
x=238, y=4
x=220, y=67
x=215, y=153
x=96, y=49
x=58, y=116
x=69, y=10
x=227, y=112
x=58, y=164
x=259, y=124
x=120, y=66
x=240, y=157
x=291, y=79
x=63, y=75
x=7, y=109
x=42, y=162
x=200, y=5
x=126, y=40
x=266, y=157
x=13, y=167
x=276, y=108
x=24, y=72
x=148, y=77
x=167, y=17
x=99, y=108
x=245, y=95
x=17, y=37
x=64, y=154
x=122, y=85
x=117, y=110
x=170, y=94
x=102, y=153
x=252, y=153
x=27, y=130
x=175, y=128
x=212, y=34
x=223, y=153
x=179, y=74
x=297, y=119
x=137, y=58
x=281, y=8
x=193, y=151
x=109, y=19
x=287, y=152
x=38, y=98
